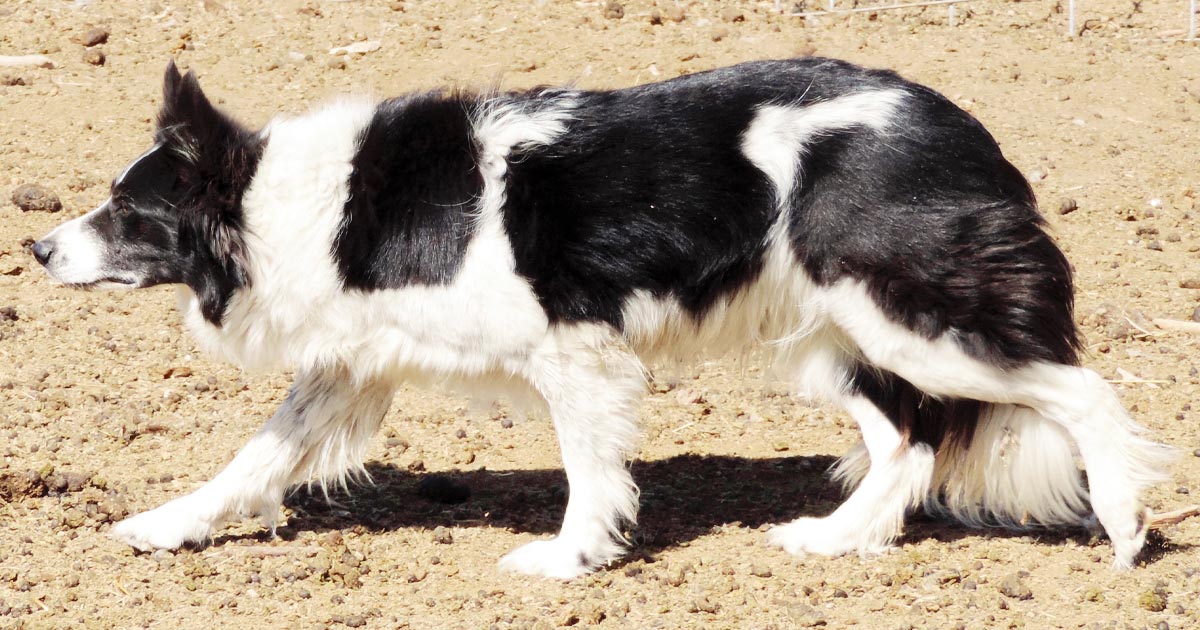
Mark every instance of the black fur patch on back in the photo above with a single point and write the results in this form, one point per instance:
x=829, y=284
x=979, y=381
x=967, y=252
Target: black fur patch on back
x=943, y=230
x=215, y=159
x=648, y=189
x=413, y=189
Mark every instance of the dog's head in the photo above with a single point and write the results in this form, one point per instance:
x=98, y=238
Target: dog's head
x=174, y=215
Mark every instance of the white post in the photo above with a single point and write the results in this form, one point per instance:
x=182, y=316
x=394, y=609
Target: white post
x=1071, y=18
x=950, y=14
x=1192, y=19
x=831, y=6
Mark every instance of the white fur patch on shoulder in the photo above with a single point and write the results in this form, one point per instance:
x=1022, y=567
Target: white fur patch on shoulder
x=778, y=137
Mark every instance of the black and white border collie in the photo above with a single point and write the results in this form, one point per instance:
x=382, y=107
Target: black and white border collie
x=859, y=229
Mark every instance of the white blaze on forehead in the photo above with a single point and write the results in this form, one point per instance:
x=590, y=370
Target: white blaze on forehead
x=121, y=178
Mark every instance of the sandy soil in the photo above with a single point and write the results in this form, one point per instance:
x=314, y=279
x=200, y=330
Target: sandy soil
x=106, y=408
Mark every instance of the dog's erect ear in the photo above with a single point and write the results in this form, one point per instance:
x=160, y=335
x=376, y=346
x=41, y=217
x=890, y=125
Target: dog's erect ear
x=186, y=106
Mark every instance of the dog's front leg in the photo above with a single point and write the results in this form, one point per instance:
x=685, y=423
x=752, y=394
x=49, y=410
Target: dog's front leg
x=592, y=385
x=321, y=430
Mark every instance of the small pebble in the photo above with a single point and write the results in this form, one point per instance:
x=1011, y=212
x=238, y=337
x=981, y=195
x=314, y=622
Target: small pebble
x=733, y=14
x=719, y=33
x=1067, y=206
x=94, y=56
x=93, y=37
x=442, y=536
x=674, y=13
x=1189, y=283
x=761, y=571
x=507, y=423
x=1154, y=245
x=1013, y=587
x=336, y=63
x=614, y=10
x=35, y=198
x=1153, y=601
x=1182, y=490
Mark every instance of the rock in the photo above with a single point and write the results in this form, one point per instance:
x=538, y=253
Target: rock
x=1193, y=89
x=13, y=79
x=613, y=10
x=1189, y=283
x=442, y=536
x=9, y=314
x=719, y=33
x=1067, y=206
x=674, y=13
x=758, y=570
x=94, y=56
x=1154, y=601
x=678, y=575
x=441, y=489
x=357, y=48
x=35, y=198
x=507, y=423
x=336, y=63
x=1154, y=245
x=656, y=17
x=1012, y=586
x=93, y=37
x=732, y=14
x=17, y=486
x=805, y=616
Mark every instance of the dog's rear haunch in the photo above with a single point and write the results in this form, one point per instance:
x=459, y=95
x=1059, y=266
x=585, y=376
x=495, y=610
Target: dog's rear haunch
x=861, y=230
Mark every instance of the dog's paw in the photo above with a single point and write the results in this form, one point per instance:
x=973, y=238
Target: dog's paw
x=167, y=527
x=820, y=536
x=548, y=558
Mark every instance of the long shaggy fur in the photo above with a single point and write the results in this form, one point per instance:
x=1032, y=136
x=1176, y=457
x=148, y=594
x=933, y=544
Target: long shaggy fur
x=860, y=229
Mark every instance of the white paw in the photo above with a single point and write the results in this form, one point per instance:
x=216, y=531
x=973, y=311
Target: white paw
x=820, y=536
x=552, y=558
x=1127, y=548
x=167, y=527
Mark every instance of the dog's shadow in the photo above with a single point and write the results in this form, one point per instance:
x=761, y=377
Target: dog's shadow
x=682, y=498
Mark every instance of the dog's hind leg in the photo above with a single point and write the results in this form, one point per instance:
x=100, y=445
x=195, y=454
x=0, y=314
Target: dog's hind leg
x=592, y=384
x=1120, y=463
x=321, y=430
x=872, y=517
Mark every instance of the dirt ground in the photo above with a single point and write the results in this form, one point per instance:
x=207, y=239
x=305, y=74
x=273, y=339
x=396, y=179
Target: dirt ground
x=106, y=407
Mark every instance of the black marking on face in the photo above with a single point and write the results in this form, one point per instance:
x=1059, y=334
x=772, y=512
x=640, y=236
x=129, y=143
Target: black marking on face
x=215, y=160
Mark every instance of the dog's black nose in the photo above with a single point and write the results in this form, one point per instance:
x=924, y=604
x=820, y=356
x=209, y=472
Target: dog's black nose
x=42, y=251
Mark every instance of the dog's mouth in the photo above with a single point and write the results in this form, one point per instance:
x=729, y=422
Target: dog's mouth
x=107, y=282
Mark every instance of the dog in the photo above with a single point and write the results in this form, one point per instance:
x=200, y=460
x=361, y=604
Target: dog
x=860, y=230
